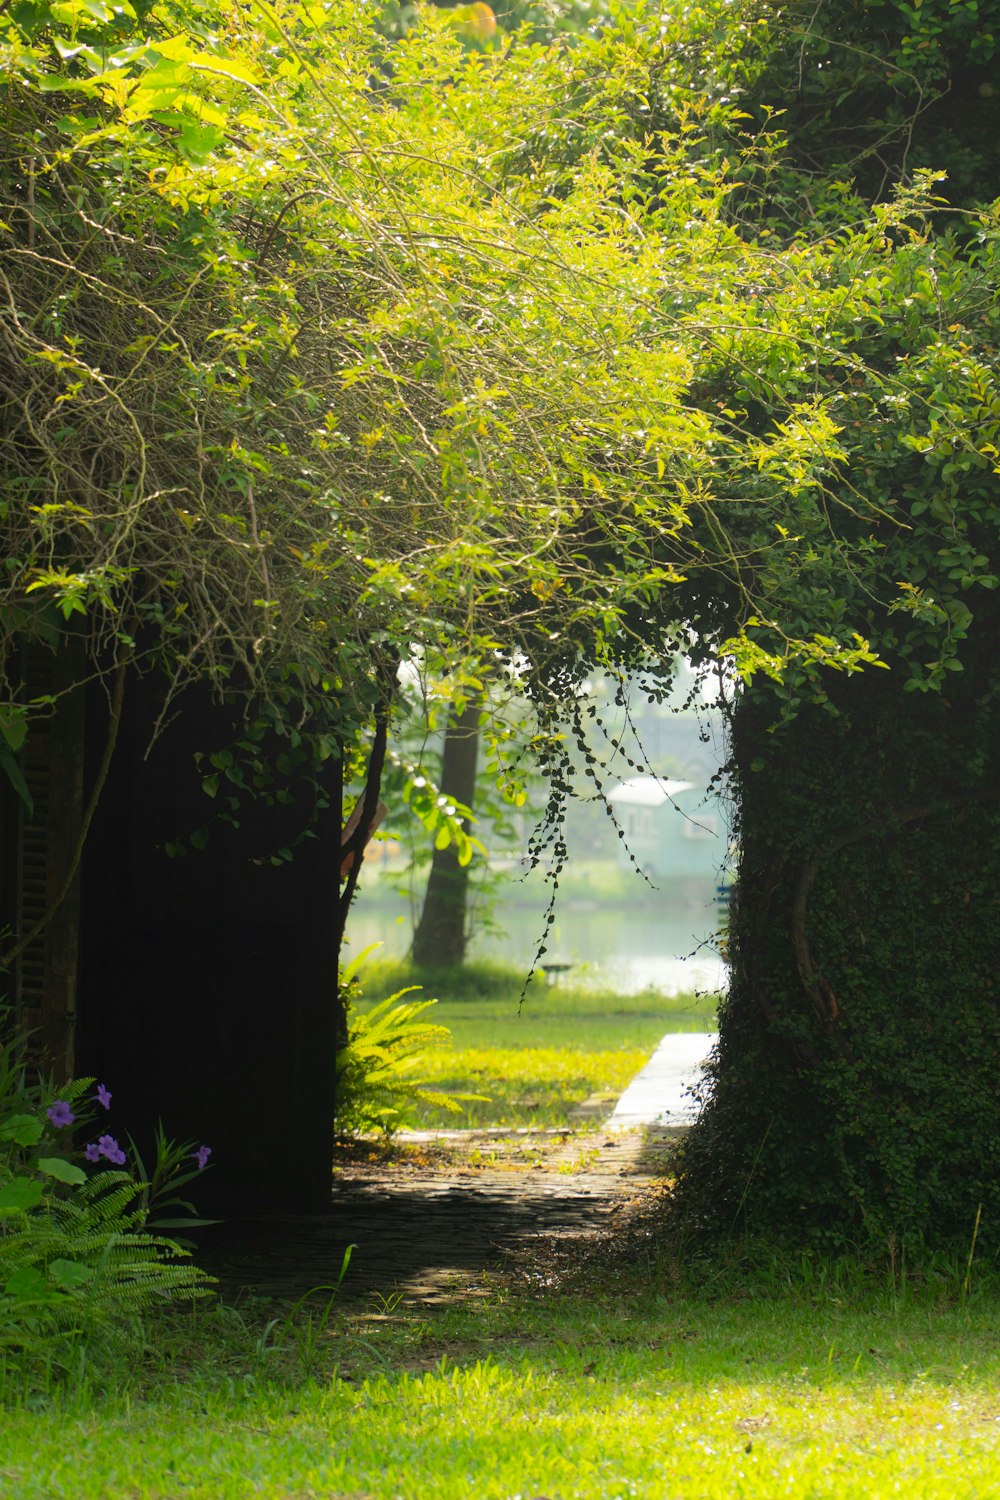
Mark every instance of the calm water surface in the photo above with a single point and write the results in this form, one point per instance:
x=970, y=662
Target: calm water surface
x=664, y=939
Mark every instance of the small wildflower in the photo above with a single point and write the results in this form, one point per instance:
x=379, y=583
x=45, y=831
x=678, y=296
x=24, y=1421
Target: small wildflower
x=109, y=1147
x=201, y=1156
x=92, y=1152
x=60, y=1113
x=103, y=1097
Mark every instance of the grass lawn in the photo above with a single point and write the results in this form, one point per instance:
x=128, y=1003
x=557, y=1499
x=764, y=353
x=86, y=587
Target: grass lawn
x=761, y=1380
x=539, y=1059
x=796, y=1395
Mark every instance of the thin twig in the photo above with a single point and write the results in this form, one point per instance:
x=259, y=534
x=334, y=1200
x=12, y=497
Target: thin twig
x=373, y=785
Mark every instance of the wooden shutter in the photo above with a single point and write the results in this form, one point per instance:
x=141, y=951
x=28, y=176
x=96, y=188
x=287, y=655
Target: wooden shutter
x=52, y=764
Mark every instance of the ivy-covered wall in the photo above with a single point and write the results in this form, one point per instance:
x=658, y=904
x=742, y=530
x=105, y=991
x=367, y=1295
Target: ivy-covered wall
x=856, y=1078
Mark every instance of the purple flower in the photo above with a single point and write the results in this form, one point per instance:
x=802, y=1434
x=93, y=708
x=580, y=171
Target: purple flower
x=106, y=1145
x=201, y=1156
x=60, y=1113
x=103, y=1097
x=111, y=1149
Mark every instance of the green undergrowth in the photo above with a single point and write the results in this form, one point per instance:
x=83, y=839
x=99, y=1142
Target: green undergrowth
x=822, y=1387
x=483, y=982
x=536, y=1060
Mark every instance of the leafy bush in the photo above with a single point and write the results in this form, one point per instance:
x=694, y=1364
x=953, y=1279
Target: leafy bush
x=78, y=1264
x=378, y=1069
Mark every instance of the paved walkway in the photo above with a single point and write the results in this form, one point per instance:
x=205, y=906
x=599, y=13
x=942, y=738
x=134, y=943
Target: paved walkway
x=660, y=1093
x=436, y=1214
x=432, y=1221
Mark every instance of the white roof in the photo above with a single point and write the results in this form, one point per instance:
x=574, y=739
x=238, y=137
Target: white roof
x=648, y=791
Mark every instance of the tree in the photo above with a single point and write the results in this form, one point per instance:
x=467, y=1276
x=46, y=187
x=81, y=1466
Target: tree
x=458, y=781
x=322, y=349
x=440, y=934
x=852, y=1091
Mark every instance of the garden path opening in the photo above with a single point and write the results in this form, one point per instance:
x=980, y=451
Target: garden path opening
x=436, y=1221
x=436, y=1215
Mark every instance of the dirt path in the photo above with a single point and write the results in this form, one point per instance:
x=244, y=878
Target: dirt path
x=435, y=1216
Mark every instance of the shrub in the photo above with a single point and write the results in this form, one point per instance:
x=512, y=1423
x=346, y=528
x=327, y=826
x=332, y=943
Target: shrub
x=378, y=1069
x=78, y=1263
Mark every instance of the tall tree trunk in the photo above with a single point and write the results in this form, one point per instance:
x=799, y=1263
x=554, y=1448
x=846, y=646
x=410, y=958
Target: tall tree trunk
x=855, y=1079
x=441, y=933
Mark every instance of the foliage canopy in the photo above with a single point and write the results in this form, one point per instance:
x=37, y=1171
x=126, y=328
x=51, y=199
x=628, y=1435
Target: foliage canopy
x=320, y=347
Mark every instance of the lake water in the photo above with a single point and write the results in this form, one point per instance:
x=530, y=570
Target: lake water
x=663, y=939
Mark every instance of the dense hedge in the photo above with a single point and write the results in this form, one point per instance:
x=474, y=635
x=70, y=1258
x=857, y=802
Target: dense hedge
x=853, y=1093
x=855, y=1078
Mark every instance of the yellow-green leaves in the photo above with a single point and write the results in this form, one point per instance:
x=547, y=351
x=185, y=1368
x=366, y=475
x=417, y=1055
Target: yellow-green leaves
x=803, y=450
x=397, y=344
x=442, y=816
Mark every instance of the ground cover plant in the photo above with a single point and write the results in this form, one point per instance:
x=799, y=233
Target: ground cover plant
x=801, y=1384
x=83, y=1259
x=538, y=1057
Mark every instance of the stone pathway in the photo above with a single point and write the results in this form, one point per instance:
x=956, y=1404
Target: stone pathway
x=433, y=1217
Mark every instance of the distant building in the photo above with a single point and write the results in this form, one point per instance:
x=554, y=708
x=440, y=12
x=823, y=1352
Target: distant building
x=673, y=829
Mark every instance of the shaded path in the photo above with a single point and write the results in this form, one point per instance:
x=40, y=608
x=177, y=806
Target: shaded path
x=434, y=1215
x=432, y=1221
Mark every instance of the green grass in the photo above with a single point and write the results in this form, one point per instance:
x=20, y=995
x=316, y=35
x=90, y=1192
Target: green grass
x=539, y=1059
x=528, y=1086
x=802, y=1396
x=490, y=979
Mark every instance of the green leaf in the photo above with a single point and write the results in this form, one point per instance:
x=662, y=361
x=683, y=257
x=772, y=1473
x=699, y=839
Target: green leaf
x=197, y=141
x=26, y=1284
x=19, y=1195
x=70, y=1273
x=58, y=83
x=62, y=1170
x=24, y=1130
x=13, y=725
x=12, y=771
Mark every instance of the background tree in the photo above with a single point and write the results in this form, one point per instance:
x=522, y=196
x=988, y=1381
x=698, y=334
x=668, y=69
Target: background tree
x=441, y=931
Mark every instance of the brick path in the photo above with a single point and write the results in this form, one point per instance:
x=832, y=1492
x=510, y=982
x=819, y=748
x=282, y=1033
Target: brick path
x=433, y=1220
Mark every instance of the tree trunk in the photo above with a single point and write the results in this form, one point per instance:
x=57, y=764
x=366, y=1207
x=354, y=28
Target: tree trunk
x=39, y=907
x=855, y=1079
x=441, y=933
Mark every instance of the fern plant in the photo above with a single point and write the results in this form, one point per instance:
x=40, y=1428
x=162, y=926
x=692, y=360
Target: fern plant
x=378, y=1069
